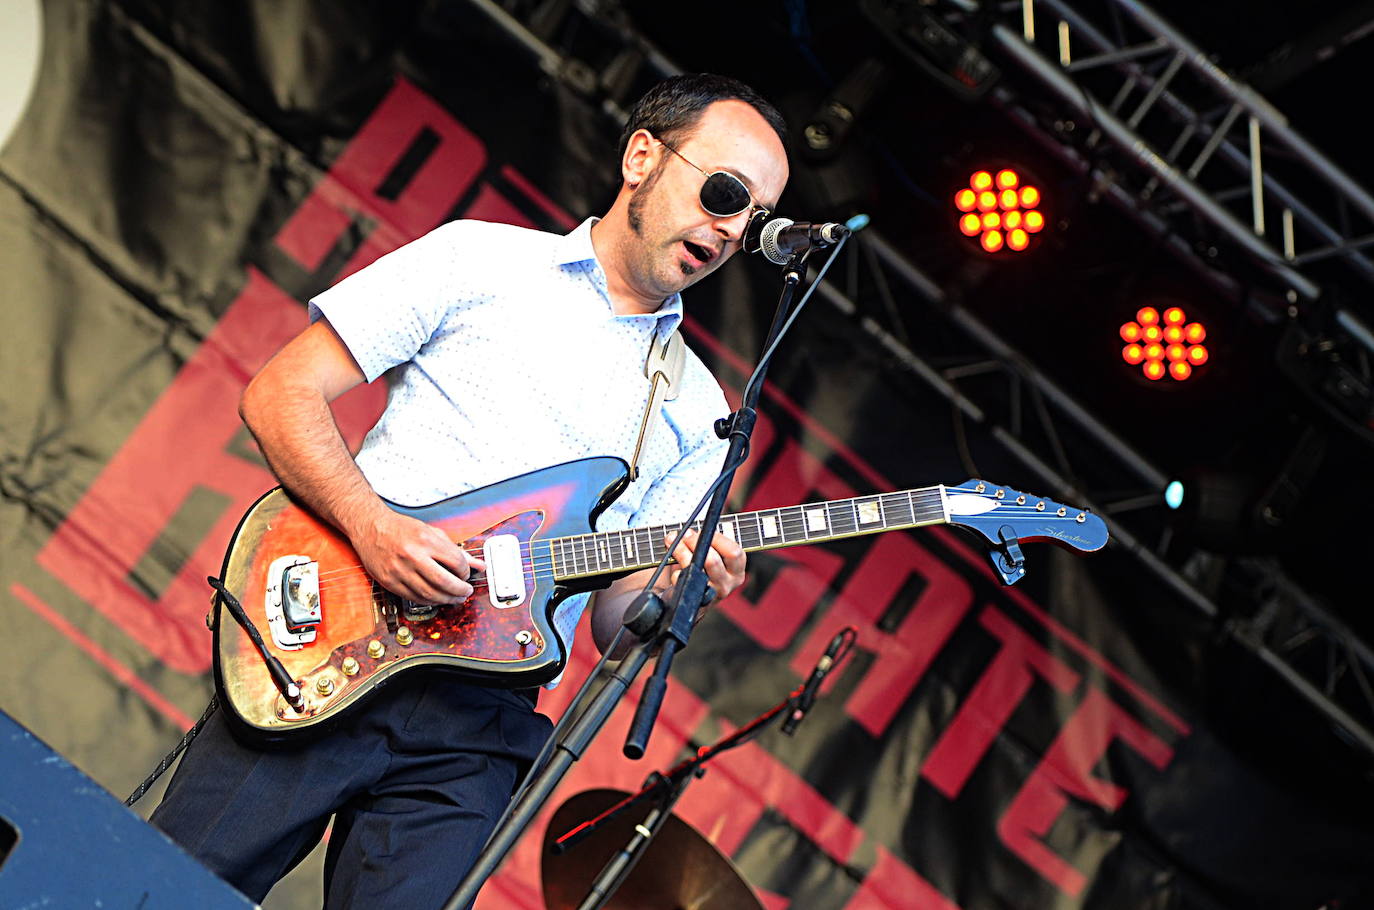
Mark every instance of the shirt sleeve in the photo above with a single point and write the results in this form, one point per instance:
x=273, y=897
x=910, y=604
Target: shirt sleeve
x=386, y=311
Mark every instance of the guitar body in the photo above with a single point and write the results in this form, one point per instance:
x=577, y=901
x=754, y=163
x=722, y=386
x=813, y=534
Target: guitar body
x=361, y=636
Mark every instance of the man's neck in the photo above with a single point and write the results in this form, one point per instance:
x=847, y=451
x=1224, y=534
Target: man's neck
x=608, y=240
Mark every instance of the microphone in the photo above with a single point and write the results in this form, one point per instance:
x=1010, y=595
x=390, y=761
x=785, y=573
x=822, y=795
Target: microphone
x=813, y=683
x=779, y=238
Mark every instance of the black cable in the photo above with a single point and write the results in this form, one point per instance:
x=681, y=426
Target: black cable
x=172, y=756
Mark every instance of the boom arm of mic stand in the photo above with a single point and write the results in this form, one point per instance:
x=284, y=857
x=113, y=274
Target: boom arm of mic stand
x=689, y=595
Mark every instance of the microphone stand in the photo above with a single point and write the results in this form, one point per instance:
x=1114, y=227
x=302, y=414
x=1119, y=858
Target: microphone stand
x=663, y=630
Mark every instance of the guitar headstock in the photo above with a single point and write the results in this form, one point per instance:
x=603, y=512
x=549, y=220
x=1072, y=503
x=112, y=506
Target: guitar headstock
x=1006, y=518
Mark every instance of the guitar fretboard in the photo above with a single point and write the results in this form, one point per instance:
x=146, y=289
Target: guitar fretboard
x=606, y=552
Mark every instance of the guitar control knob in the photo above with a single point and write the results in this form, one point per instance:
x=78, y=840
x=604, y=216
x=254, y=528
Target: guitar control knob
x=324, y=685
x=523, y=637
x=350, y=666
x=375, y=650
x=404, y=636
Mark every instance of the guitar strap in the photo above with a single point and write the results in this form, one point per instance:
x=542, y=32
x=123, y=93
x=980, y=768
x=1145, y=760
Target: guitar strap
x=663, y=369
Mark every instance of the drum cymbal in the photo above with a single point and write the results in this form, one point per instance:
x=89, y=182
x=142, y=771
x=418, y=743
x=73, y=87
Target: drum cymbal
x=680, y=870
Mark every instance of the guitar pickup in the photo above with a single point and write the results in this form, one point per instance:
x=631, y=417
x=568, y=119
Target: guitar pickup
x=293, y=601
x=505, y=570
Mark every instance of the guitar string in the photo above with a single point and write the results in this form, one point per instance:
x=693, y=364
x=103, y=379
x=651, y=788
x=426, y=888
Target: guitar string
x=543, y=563
x=791, y=522
x=788, y=526
x=791, y=517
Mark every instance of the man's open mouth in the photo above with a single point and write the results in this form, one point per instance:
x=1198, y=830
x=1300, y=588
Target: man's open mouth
x=702, y=254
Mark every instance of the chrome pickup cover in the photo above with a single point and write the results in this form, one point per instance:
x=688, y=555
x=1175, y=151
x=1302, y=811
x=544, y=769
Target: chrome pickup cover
x=505, y=570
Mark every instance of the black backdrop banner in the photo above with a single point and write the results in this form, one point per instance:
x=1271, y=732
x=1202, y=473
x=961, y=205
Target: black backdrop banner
x=187, y=173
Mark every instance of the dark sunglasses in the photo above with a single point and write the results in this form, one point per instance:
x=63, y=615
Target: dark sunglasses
x=723, y=194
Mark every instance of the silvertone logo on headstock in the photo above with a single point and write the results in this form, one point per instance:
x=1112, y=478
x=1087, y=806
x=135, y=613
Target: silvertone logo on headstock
x=1065, y=536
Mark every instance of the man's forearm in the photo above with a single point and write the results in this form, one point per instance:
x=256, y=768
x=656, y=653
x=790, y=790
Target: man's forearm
x=296, y=431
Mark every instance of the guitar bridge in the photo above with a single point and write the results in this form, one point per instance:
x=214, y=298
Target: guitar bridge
x=292, y=601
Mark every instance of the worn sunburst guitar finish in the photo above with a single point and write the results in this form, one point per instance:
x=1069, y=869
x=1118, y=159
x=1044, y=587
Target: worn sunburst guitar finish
x=340, y=636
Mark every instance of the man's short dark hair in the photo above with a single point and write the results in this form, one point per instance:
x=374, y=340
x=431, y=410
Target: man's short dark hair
x=671, y=109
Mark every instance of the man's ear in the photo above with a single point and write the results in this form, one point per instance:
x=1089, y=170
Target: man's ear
x=640, y=159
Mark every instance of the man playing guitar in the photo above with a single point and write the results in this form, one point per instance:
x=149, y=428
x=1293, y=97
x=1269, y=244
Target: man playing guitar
x=506, y=351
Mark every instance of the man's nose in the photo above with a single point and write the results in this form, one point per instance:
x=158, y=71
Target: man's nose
x=732, y=227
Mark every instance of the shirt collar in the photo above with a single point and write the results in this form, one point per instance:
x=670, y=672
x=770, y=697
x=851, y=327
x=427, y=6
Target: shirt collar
x=576, y=247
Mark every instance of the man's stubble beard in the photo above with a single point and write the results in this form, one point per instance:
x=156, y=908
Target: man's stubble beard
x=634, y=215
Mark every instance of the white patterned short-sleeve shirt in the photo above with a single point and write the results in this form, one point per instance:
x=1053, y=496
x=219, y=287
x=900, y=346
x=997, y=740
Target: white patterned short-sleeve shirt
x=503, y=355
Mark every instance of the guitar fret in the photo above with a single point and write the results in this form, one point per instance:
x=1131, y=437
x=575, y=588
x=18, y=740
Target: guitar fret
x=893, y=511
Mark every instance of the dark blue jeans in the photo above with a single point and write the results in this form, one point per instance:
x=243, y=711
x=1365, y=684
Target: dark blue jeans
x=415, y=782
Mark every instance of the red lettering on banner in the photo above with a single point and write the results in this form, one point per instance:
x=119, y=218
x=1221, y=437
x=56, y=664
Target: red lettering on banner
x=793, y=477
x=179, y=446
x=988, y=707
x=904, y=655
x=892, y=883
x=350, y=188
x=492, y=206
x=1066, y=770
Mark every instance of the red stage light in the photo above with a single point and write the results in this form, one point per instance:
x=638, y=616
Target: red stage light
x=1170, y=348
x=1006, y=209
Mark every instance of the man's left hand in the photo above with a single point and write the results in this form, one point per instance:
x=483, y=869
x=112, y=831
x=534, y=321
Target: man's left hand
x=725, y=564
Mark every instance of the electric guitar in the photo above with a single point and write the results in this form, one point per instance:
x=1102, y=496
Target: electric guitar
x=339, y=635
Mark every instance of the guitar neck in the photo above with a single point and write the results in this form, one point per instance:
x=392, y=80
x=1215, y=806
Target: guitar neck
x=618, y=552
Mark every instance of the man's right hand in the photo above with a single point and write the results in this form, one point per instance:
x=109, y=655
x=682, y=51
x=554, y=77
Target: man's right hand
x=414, y=560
